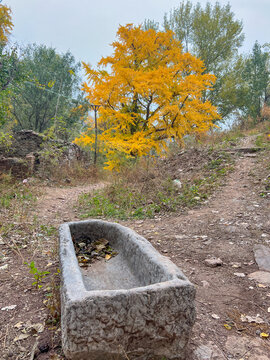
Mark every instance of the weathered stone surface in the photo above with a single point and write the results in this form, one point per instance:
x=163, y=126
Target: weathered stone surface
x=262, y=257
x=260, y=276
x=148, y=316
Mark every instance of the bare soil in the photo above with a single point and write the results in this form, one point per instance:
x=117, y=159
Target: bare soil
x=226, y=226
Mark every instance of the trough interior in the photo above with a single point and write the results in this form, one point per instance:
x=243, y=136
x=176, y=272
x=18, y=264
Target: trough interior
x=131, y=267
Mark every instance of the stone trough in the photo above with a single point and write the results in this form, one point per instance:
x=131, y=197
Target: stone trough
x=137, y=305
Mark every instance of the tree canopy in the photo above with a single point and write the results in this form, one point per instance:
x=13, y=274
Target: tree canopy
x=51, y=89
x=152, y=91
x=10, y=68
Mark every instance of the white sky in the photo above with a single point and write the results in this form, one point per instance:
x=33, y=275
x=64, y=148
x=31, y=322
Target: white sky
x=87, y=27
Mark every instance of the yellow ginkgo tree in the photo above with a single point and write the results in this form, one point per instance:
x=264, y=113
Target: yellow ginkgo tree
x=6, y=24
x=149, y=91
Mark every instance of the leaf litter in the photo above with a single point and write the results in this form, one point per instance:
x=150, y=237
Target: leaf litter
x=28, y=329
x=89, y=252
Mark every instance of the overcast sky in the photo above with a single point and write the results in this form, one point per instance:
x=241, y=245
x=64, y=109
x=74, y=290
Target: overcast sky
x=87, y=27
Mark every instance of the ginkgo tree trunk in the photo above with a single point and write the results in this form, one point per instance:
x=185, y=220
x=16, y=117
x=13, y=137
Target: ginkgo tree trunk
x=149, y=91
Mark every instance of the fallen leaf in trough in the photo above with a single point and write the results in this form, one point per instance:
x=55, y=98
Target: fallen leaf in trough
x=262, y=286
x=88, y=252
x=100, y=247
x=228, y=327
x=264, y=335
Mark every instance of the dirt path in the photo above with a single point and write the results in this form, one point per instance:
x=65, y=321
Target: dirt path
x=56, y=204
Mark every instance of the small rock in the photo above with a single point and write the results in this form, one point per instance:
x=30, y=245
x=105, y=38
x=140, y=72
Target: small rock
x=22, y=349
x=205, y=283
x=177, y=183
x=4, y=267
x=203, y=352
x=179, y=237
x=43, y=347
x=252, y=319
x=239, y=274
x=10, y=307
x=215, y=316
x=213, y=262
x=236, y=265
x=260, y=276
x=262, y=257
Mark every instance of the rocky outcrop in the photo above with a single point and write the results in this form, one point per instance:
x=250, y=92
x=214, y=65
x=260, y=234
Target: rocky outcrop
x=25, y=142
x=24, y=155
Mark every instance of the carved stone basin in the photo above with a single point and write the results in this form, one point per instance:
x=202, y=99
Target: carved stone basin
x=137, y=305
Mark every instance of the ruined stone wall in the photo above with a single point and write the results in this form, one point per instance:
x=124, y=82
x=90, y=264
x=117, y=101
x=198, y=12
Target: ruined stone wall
x=23, y=156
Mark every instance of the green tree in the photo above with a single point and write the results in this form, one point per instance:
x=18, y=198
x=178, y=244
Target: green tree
x=51, y=91
x=213, y=35
x=181, y=22
x=150, y=24
x=216, y=35
x=11, y=72
x=256, y=75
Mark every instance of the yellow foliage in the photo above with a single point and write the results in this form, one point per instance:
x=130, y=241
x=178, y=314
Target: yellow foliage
x=6, y=24
x=152, y=91
x=51, y=83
